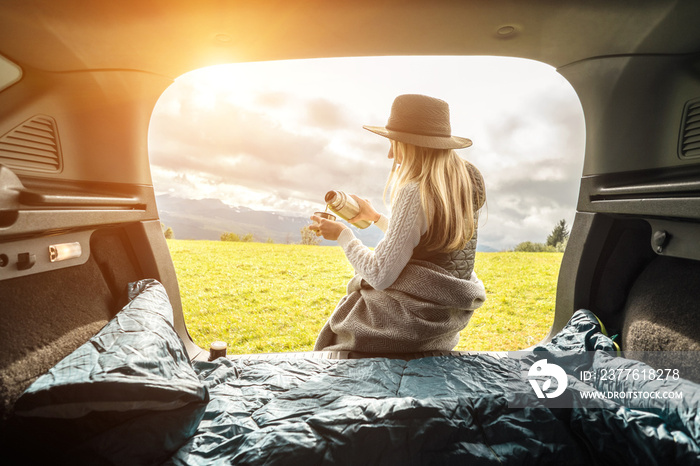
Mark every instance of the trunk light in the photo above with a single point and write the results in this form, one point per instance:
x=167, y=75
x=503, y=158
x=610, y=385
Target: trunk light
x=65, y=251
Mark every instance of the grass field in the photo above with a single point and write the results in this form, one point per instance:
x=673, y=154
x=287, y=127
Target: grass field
x=275, y=298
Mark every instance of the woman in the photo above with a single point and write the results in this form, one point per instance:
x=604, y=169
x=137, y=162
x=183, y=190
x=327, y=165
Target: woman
x=417, y=289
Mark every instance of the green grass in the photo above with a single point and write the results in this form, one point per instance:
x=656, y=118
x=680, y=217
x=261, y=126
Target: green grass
x=275, y=298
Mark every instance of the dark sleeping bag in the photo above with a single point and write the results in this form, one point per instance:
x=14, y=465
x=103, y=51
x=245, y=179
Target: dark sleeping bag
x=467, y=409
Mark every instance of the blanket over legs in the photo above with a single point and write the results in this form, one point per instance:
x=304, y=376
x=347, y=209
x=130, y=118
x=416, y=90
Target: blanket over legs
x=423, y=310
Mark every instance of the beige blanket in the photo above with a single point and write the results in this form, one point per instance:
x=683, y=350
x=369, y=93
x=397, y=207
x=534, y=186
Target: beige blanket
x=423, y=310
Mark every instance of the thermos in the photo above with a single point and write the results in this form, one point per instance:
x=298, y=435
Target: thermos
x=345, y=207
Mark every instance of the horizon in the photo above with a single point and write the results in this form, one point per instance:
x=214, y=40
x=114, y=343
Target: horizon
x=369, y=240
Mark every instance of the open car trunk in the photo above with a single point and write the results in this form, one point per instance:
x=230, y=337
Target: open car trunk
x=78, y=220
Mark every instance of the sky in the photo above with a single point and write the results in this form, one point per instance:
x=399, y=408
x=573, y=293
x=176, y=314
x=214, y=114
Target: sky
x=279, y=135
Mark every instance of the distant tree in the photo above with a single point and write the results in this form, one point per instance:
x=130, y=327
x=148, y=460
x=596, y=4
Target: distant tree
x=248, y=238
x=167, y=232
x=559, y=234
x=228, y=236
x=270, y=241
x=309, y=237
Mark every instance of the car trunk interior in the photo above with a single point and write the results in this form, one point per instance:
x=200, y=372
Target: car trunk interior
x=633, y=257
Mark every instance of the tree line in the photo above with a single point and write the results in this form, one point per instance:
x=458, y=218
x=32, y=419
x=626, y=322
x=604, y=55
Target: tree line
x=308, y=237
x=556, y=241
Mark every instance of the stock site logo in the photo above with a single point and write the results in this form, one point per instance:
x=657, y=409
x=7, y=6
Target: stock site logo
x=541, y=370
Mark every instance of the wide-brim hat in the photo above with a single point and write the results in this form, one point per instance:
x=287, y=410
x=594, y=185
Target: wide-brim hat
x=422, y=121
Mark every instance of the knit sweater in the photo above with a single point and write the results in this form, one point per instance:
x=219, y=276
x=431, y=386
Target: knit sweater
x=403, y=232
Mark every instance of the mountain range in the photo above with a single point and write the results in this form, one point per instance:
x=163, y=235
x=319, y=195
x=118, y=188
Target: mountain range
x=207, y=219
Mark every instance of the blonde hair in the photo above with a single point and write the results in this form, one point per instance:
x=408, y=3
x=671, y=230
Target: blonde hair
x=447, y=192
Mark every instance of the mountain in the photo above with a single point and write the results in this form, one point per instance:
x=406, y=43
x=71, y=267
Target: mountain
x=209, y=218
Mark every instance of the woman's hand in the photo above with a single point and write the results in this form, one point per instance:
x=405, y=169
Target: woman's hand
x=367, y=212
x=328, y=228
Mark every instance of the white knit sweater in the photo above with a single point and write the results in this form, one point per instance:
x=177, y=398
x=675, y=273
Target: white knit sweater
x=381, y=267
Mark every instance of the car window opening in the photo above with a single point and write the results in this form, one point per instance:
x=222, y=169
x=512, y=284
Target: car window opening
x=242, y=155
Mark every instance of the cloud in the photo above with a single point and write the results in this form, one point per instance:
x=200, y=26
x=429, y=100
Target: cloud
x=526, y=201
x=272, y=99
x=249, y=148
x=531, y=156
x=321, y=113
